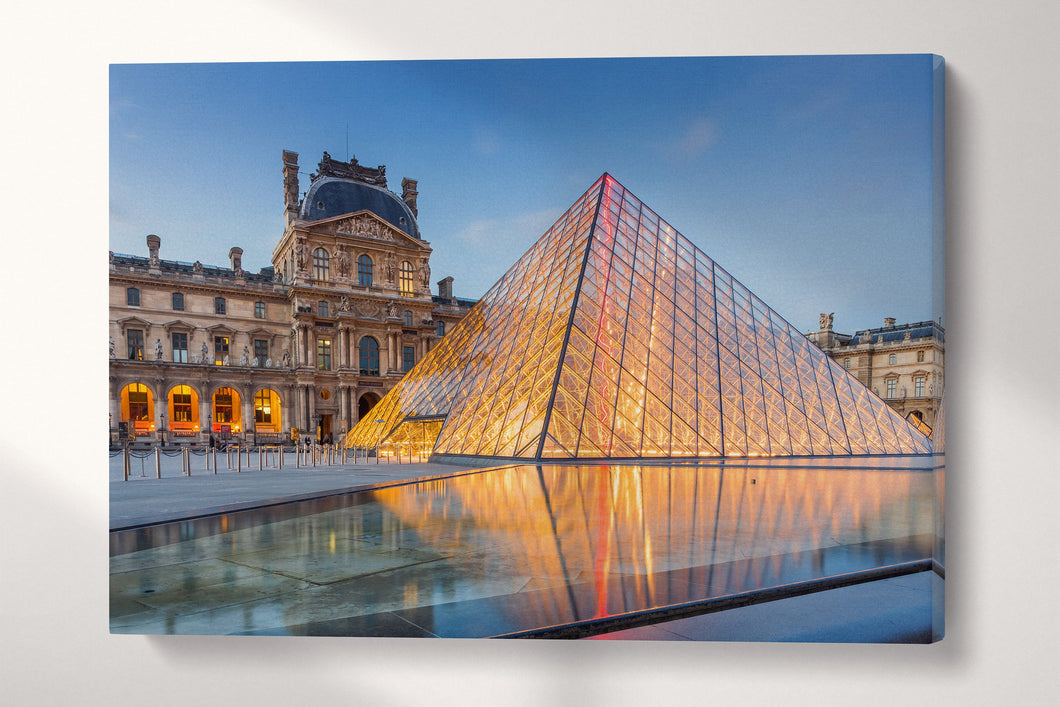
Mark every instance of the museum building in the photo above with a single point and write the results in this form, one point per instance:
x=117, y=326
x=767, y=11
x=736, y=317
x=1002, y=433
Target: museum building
x=307, y=345
x=901, y=363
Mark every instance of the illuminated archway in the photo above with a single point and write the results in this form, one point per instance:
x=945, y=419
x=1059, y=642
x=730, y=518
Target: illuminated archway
x=227, y=411
x=182, y=412
x=267, y=412
x=138, y=408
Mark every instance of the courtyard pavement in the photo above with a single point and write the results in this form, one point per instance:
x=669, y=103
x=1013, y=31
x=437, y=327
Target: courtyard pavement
x=146, y=499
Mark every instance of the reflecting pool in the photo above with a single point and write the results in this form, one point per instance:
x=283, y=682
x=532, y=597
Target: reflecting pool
x=524, y=547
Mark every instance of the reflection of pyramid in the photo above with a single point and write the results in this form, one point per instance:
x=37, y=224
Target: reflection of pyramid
x=614, y=337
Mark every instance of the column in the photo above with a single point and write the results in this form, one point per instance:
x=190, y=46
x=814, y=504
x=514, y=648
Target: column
x=205, y=418
x=247, y=403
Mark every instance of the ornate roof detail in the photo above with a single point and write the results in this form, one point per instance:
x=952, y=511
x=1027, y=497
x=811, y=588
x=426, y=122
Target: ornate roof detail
x=328, y=167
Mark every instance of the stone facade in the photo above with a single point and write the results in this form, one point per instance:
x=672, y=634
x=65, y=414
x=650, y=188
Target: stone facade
x=902, y=363
x=309, y=343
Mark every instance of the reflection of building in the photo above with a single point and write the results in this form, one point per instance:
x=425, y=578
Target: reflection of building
x=903, y=364
x=312, y=341
x=614, y=337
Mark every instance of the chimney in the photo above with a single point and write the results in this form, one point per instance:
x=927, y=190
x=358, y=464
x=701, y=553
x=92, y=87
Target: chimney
x=888, y=322
x=445, y=288
x=153, y=242
x=290, y=185
x=409, y=194
x=236, y=256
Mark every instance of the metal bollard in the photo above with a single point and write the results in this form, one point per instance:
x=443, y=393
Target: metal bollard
x=214, y=450
x=280, y=457
x=228, y=452
x=158, y=463
x=126, y=465
x=239, y=461
x=259, y=459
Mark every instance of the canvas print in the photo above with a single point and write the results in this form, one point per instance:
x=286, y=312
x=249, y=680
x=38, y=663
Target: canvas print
x=634, y=349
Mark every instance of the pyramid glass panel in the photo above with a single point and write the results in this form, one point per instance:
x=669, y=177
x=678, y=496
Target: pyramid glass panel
x=614, y=337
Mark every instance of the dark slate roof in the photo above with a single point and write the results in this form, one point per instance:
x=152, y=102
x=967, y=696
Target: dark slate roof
x=918, y=330
x=331, y=196
x=178, y=266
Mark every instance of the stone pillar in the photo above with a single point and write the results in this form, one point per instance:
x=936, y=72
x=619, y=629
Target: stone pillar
x=311, y=398
x=409, y=194
x=205, y=416
x=247, y=403
x=153, y=243
x=290, y=185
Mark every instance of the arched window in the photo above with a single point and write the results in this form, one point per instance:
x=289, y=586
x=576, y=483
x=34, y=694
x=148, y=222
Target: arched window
x=408, y=318
x=139, y=402
x=364, y=271
x=132, y=297
x=405, y=281
x=182, y=407
x=321, y=266
x=441, y=328
x=369, y=356
x=266, y=407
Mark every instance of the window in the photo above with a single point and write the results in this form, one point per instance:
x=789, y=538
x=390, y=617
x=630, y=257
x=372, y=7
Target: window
x=135, y=339
x=321, y=266
x=220, y=350
x=892, y=384
x=440, y=328
x=263, y=406
x=259, y=310
x=364, y=271
x=178, y=301
x=369, y=356
x=405, y=279
x=222, y=405
x=261, y=350
x=180, y=347
x=323, y=354
x=218, y=305
x=918, y=386
x=132, y=297
x=892, y=359
x=138, y=407
x=182, y=404
x=408, y=357
x=322, y=308
x=408, y=318
x=919, y=356
x=846, y=363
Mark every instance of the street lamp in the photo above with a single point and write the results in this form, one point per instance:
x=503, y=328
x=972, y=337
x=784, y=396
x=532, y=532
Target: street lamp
x=163, y=430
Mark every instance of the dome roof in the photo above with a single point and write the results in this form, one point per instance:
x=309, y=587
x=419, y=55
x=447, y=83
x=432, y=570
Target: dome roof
x=334, y=196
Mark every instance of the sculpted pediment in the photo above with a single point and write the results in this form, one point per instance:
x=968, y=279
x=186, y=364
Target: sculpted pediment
x=365, y=224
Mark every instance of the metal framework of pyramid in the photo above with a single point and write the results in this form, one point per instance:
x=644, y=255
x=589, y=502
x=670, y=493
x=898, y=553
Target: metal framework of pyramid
x=614, y=337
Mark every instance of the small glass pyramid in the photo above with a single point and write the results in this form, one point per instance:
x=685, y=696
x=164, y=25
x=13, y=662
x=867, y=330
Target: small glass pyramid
x=614, y=337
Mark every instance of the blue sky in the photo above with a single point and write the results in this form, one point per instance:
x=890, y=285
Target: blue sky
x=808, y=178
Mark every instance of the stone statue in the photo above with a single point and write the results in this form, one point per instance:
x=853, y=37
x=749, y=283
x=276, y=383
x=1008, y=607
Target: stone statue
x=300, y=255
x=158, y=349
x=425, y=273
x=286, y=359
x=826, y=321
x=113, y=354
x=344, y=303
x=343, y=259
x=197, y=267
x=205, y=353
x=255, y=362
x=389, y=267
x=246, y=357
x=391, y=310
x=268, y=363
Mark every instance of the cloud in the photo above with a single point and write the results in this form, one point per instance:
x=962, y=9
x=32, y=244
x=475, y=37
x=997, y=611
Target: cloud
x=698, y=136
x=520, y=228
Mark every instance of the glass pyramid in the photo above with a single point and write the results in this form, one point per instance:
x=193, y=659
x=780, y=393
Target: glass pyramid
x=614, y=337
